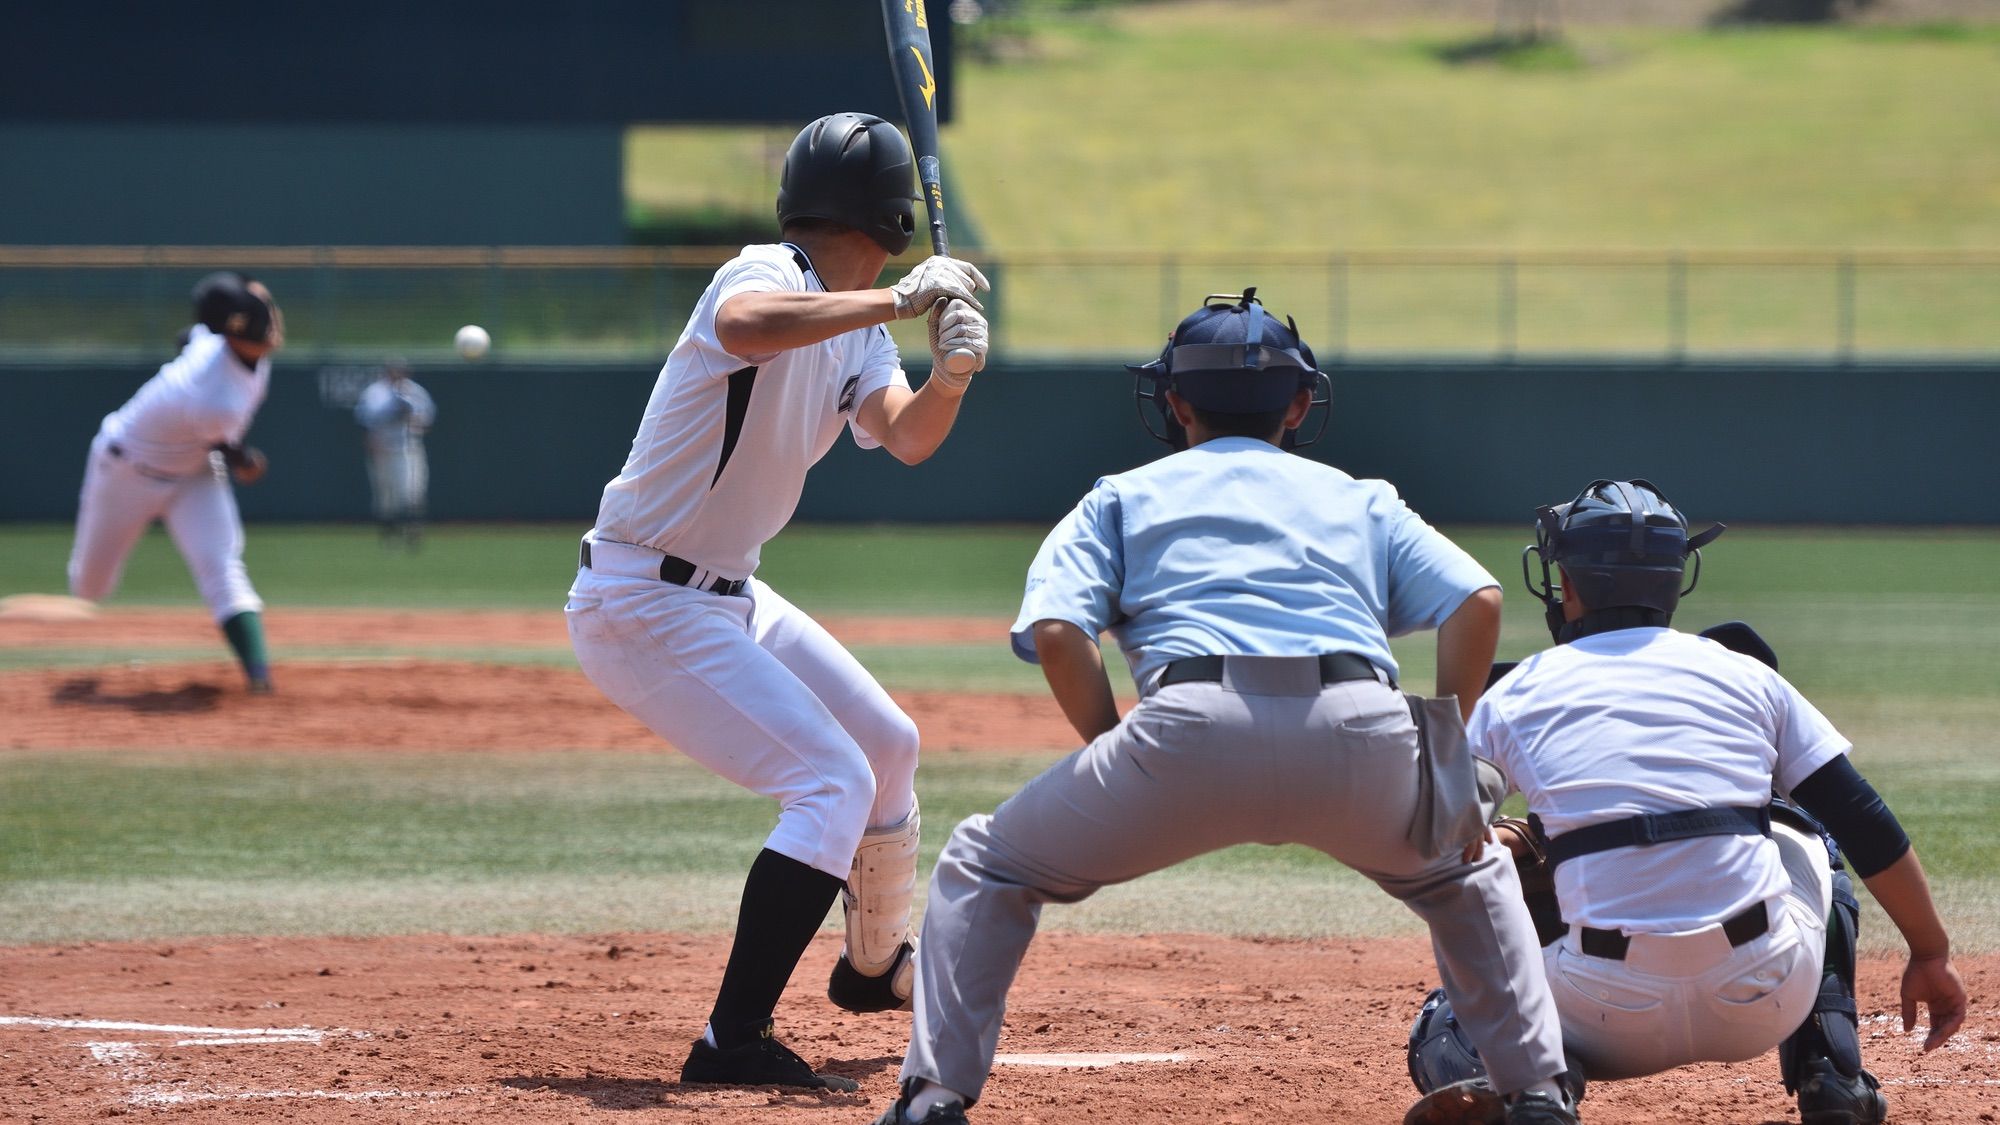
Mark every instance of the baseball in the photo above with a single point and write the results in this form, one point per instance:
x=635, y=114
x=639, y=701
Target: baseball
x=472, y=341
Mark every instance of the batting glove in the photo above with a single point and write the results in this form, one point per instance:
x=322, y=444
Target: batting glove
x=934, y=279
x=956, y=327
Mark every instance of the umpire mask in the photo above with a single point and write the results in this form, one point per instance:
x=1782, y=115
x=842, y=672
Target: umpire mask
x=1229, y=357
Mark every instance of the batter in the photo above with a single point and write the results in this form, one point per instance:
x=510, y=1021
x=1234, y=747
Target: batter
x=170, y=453
x=1698, y=920
x=1254, y=594
x=786, y=348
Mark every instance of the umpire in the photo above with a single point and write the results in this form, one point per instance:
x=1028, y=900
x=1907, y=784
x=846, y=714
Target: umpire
x=1254, y=594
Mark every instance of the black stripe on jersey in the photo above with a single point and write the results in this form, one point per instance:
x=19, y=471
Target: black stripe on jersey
x=740, y=384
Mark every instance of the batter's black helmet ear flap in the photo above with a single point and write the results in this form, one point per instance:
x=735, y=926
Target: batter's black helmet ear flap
x=854, y=169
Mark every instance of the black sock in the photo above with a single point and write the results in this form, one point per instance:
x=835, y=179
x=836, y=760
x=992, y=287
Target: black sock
x=784, y=902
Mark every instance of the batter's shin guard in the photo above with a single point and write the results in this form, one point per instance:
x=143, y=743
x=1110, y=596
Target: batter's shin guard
x=877, y=970
x=1831, y=1032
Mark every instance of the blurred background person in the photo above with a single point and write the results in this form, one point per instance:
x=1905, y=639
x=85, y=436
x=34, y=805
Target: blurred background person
x=396, y=412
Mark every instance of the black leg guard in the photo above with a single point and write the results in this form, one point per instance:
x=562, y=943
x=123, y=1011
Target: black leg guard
x=1832, y=1032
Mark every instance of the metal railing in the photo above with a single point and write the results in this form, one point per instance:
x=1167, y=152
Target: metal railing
x=623, y=304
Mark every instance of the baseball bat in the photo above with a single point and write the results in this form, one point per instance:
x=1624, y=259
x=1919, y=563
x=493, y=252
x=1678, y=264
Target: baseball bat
x=909, y=33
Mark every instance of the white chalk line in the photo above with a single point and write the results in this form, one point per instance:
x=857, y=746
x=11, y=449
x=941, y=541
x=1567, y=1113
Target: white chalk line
x=133, y=1063
x=1086, y=1059
x=288, y=1034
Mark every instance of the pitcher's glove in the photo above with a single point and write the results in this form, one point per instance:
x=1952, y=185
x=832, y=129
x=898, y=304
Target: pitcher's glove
x=246, y=463
x=935, y=279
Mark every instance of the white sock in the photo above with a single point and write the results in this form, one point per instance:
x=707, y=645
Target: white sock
x=708, y=1035
x=932, y=1095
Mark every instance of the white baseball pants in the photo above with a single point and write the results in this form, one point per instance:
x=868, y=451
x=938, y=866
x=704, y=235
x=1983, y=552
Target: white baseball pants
x=1681, y=998
x=121, y=499
x=758, y=692
x=400, y=476
x=1200, y=766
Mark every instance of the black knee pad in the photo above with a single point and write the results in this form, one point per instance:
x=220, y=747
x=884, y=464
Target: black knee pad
x=1832, y=1031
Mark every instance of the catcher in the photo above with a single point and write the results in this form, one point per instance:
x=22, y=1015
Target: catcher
x=1685, y=914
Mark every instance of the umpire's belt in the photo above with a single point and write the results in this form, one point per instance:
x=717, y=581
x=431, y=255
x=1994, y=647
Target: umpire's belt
x=1334, y=668
x=1611, y=945
x=630, y=561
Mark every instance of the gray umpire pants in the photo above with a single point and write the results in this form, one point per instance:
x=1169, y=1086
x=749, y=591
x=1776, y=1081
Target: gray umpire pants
x=1267, y=756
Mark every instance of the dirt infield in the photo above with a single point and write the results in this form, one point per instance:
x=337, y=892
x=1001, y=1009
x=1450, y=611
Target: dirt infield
x=534, y=1029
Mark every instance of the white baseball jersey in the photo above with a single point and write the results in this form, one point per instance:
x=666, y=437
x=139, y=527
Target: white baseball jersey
x=395, y=413
x=1636, y=721
x=722, y=452
x=204, y=397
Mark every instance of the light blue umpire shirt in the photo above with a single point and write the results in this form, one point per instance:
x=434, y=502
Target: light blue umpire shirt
x=1238, y=548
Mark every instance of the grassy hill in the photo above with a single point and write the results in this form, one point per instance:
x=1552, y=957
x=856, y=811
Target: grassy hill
x=1262, y=125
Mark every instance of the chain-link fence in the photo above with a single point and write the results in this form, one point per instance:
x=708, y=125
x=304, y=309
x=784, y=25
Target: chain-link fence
x=624, y=304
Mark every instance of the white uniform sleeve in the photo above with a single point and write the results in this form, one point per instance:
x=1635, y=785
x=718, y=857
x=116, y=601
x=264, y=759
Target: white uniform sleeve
x=1078, y=573
x=1429, y=575
x=1805, y=739
x=423, y=411
x=745, y=274
x=1486, y=736
x=881, y=367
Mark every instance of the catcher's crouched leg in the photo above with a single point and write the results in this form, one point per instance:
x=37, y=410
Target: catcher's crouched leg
x=877, y=968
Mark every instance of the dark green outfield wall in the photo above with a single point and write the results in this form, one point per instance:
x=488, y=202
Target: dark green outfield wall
x=1465, y=442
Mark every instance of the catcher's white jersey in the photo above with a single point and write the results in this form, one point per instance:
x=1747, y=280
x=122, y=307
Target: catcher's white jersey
x=722, y=452
x=203, y=397
x=1639, y=721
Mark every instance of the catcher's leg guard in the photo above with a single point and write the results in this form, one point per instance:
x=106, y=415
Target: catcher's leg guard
x=876, y=971
x=1831, y=1031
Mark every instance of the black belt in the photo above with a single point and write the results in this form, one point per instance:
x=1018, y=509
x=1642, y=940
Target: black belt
x=680, y=572
x=1654, y=828
x=1611, y=945
x=1334, y=668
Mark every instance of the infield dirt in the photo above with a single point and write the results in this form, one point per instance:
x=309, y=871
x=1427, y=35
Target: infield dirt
x=537, y=1029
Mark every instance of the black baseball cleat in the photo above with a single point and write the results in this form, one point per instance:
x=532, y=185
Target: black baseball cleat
x=947, y=1113
x=260, y=685
x=1541, y=1109
x=763, y=1061
x=1828, y=1097
x=848, y=988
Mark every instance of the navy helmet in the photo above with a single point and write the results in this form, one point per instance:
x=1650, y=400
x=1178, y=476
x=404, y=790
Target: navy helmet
x=225, y=304
x=854, y=169
x=1623, y=548
x=1230, y=357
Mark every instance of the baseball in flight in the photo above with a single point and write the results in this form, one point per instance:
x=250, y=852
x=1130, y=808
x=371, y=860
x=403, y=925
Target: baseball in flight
x=472, y=341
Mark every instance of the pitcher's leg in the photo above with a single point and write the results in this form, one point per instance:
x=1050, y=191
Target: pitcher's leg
x=114, y=508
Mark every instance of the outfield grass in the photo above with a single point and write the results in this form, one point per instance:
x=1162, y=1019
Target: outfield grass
x=1256, y=129
x=1894, y=633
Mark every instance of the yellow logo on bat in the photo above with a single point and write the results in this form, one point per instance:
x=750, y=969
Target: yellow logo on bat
x=929, y=88
x=916, y=8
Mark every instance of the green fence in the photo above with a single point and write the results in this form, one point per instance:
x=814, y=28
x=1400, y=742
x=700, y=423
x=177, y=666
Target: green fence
x=621, y=304
x=1464, y=441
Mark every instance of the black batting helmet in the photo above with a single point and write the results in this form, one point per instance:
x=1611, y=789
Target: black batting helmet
x=854, y=169
x=1623, y=546
x=1230, y=357
x=225, y=304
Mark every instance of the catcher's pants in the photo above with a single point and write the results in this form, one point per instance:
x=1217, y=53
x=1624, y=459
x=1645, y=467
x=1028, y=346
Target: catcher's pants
x=121, y=499
x=400, y=476
x=1681, y=998
x=757, y=691
x=1201, y=766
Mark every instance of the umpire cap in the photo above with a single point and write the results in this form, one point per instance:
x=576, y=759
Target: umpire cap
x=1231, y=357
x=225, y=304
x=854, y=169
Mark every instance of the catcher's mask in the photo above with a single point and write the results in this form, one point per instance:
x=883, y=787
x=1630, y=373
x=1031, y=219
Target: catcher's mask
x=1230, y=357
x=1624, y=549
x=854, y=169
x=236, y=305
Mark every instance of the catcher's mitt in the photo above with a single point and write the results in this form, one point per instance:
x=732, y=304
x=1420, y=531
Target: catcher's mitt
x=1538, y=878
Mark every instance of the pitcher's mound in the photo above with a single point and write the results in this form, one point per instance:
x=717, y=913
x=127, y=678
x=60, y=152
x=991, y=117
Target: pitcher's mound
x=46, y=607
